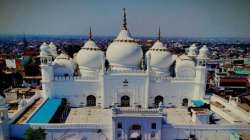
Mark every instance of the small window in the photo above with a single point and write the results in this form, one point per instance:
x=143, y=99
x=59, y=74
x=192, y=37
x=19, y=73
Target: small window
x=153, y=125
x=119, y=125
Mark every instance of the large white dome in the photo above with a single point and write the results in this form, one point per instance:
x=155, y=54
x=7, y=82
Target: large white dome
x=185, y=67
x=90, y=56
x=161, y=58
x=63, y=65
x=124, y=52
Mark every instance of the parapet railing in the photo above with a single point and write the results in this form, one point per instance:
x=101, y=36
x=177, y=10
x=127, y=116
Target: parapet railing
x=227, y=104
x=127, y=71
x=63, y=78
x=140, y=110
x=213, y=127
x=66, y=126
x=154, y=77
x=21, y=110
x=169, y=78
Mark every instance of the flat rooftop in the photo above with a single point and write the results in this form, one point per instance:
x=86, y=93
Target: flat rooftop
x=176, y=116
x=89, y=115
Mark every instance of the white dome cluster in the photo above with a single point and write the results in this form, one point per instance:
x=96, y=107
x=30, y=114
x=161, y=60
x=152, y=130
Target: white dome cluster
x=124, y=53
x=48, y=50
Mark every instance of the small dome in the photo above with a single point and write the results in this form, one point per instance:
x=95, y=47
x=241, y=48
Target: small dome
x=90, y=56
x=124, y=52
x=185, y=66
x=63, y=65
x=203, y=52
x=161, y=59
x=44, y=50
x=53, y=49
x=192, y=51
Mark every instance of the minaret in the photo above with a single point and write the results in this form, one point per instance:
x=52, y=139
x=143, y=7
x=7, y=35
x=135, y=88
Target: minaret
x=201, y=72
x=46, y=69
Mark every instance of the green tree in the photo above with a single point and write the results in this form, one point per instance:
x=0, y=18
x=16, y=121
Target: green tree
x=35, y=134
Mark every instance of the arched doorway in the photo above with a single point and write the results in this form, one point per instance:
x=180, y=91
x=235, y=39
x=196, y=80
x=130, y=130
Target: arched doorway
x=158, y=99
x=91, y=100
x=185, y=102
x=125, y=101
x=135, y=132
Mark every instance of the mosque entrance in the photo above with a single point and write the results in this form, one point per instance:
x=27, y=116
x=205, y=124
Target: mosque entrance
x=158, y=99
x=185, y=102
x=91, y=100
x=125, y=101
x=135, y=132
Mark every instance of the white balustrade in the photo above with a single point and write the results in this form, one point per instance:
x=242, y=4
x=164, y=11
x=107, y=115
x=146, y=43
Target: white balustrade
x=66, y=126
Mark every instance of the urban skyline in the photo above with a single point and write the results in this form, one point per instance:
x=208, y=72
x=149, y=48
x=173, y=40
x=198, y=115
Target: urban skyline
x=176, y=18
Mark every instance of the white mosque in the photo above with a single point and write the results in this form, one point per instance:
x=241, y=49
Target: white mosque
x=125, y=94
x=126, y=80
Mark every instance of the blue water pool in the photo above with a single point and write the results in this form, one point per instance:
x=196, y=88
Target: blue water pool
x=45, y=113
x=198, y=103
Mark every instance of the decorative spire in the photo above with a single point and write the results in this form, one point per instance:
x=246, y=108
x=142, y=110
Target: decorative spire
x=159, y=34
x=90, y=33
x=124, y=19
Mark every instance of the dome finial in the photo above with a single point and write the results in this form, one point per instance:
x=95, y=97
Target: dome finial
x=159, y=34
x=90, y=33
x=124, y=19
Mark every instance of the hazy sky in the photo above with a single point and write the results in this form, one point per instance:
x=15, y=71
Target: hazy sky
x=185, y=18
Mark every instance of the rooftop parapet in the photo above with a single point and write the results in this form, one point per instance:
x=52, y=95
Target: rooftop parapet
x=135, y=110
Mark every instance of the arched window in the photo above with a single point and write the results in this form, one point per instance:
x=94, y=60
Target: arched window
x=91, y=100
x=135, y=132
x=185, y=102
x=158, y=99
x=125, y=101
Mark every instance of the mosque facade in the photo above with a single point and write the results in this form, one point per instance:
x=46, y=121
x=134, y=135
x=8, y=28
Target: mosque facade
x=124, y=75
